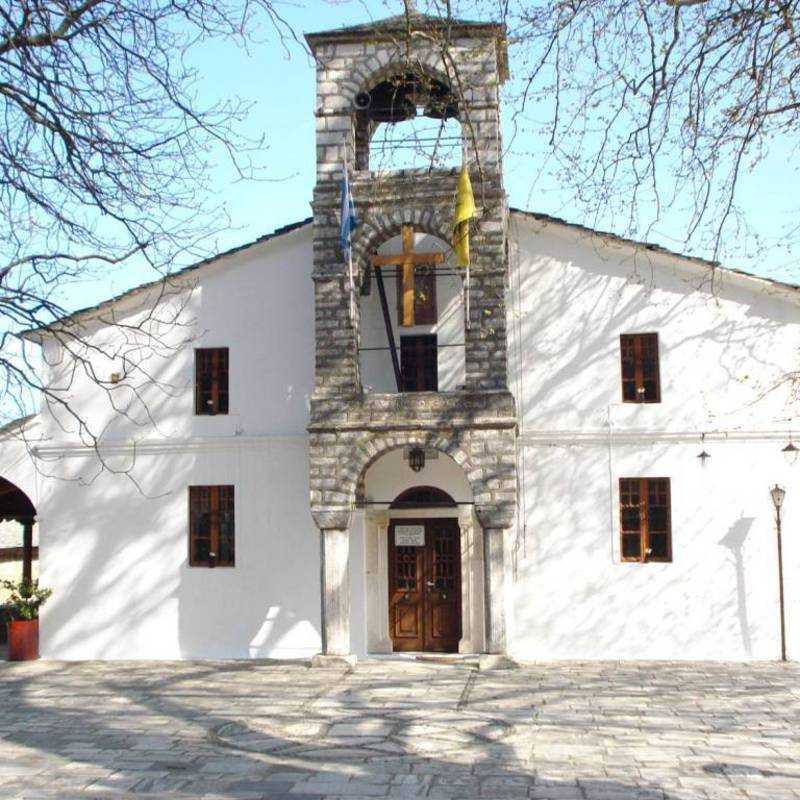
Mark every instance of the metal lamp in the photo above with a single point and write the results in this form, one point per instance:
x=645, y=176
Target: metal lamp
x=790, y=452
x=778, y=494
x=416, y=459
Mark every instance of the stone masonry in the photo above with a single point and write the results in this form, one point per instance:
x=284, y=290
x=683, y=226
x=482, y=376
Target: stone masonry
x=349, y=429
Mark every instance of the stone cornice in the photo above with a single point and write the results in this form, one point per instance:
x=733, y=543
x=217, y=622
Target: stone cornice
x=634, y=436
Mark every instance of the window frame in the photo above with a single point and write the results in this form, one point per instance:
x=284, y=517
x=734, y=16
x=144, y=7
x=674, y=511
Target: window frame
x=215, y=501
x=637, y=340
x=433, y=346
x=220, y=376
x=644, y=532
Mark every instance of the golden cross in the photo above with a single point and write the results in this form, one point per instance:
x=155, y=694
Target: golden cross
x=408, y=260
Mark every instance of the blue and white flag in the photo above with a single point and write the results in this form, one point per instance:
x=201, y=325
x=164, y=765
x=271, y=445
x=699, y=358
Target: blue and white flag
x=349, y=218
x=349, y=223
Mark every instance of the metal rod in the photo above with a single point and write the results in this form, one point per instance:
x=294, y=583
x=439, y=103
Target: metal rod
x=412, y=506
x=388, y=322
x=780, y=585
x=414, y=139
x=394, y=274
x=438, y=347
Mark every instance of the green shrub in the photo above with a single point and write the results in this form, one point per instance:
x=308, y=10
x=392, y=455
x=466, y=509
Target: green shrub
x=26, y=599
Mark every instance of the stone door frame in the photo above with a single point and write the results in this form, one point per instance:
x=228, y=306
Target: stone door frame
x=376, y=550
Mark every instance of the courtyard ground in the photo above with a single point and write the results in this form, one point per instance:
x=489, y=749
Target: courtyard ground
x=648, y=731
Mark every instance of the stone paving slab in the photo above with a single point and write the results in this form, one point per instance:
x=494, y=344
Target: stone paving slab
x=399, y=729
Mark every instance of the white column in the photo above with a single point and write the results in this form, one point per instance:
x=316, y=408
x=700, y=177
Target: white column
x=377, y=526
x=494, y=590
x=335, y=589
x=471, y=585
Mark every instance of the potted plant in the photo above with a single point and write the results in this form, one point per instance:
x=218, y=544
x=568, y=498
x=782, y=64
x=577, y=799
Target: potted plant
x=23, y=629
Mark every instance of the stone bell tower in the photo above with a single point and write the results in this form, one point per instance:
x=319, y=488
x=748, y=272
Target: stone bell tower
x=383, y=72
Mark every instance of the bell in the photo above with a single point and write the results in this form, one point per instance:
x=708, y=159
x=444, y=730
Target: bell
x=441, y=109
x=396, y=111
x=391, y=103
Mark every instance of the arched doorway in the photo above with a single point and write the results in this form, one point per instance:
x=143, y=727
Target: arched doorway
x=423, y=557
x=424, y=582
x=17, y=508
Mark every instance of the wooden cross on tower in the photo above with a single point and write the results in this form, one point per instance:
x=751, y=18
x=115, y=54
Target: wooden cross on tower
x=408, y=260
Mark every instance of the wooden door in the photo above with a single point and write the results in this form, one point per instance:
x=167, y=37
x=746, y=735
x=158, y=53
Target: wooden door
x=425, y=585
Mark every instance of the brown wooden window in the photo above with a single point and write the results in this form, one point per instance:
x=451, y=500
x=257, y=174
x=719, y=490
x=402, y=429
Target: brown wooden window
x=645, y=519
x=211, y=380
x=424, y=288
x=211, y=526
x=641, y=382
x=419, y=363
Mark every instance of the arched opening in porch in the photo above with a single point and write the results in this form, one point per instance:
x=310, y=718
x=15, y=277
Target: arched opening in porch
x=422, y=556
x=17, y=521
x=18, y=548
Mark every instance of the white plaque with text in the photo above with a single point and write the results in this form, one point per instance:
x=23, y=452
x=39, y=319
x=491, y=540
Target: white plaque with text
x=409, y=536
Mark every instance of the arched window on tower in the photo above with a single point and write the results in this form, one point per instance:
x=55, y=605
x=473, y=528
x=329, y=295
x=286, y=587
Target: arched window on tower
x=408, y=120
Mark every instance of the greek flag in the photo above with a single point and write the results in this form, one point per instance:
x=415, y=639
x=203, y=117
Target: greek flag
x=349, y=218
x=349, y=222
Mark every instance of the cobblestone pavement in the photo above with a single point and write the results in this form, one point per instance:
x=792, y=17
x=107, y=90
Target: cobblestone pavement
x=399, y=730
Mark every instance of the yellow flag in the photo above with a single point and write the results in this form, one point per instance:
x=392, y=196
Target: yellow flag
x=465, y=211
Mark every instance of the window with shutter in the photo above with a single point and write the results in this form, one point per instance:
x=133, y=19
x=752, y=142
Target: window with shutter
x=419, y=364
x=211, y=526
x=641, y=382
x=211, y=380
x=645, y=519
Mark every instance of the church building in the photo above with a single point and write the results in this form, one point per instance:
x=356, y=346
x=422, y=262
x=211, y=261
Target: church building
x=335, y=448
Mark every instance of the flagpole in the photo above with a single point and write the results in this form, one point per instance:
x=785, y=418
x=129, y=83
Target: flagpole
x=467, y=320
x=352, y=287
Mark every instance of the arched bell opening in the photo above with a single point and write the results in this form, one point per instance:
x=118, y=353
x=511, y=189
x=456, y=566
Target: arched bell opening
x=408, y=119
x=18, y=548
x=412, y=316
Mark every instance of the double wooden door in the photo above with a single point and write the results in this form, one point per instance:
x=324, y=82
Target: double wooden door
x=425, y=585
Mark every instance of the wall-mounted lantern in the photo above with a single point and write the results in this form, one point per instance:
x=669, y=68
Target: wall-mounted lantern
x=416, y=459
x=790, y=452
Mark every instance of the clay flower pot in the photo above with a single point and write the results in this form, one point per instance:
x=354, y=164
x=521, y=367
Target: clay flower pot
x=23, y=640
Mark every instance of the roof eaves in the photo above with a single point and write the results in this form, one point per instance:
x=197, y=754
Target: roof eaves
x=33, y=333
x=391, y=27
x=16, y=424
x=400, y=23
x=653, y=247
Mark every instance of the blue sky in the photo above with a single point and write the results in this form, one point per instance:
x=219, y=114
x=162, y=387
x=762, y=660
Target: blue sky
x=280, y=83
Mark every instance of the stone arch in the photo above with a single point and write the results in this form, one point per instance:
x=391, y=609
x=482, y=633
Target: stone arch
x=366, y=453
x=384, y=223
x=382, y=64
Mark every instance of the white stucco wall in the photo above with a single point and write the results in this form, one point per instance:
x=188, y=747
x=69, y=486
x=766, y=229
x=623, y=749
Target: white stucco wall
x=117, y=559
x=116, y=555
x=722, y=354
